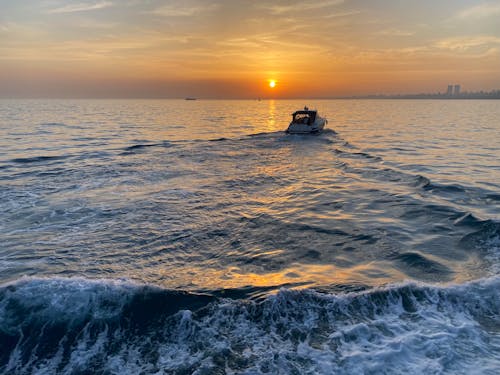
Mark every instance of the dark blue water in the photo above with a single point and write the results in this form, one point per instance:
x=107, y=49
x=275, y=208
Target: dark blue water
x=197, y=237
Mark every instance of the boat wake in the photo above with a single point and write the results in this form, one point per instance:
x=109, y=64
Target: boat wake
x=102, y=326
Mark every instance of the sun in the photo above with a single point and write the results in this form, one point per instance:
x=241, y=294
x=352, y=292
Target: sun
x=272, y=83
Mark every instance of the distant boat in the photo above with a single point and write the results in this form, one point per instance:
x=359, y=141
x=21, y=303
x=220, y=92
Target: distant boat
x=306, y=121
x=190, y=98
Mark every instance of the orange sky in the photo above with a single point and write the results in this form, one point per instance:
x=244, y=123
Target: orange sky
x=232, y=48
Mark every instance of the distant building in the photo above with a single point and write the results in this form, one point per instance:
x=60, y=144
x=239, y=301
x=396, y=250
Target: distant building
x=449, y=92
x=456, y=90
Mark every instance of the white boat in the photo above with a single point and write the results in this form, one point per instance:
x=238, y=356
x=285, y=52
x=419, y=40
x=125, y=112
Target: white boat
x=306, y=121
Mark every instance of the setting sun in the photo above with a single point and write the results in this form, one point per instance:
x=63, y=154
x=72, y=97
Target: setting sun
x=272, y=83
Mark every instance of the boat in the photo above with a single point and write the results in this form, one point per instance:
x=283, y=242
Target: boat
x=190, y=98
x=306, y=121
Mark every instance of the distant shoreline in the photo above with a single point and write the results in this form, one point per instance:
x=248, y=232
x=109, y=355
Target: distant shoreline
x=361, y=97
x=421, y=97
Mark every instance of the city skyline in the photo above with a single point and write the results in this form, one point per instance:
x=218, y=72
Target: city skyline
x=452, y=92
x=233, y=49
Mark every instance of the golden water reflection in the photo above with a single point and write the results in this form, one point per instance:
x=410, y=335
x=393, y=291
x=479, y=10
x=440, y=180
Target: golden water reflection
x=271, y=120
x=297, y=276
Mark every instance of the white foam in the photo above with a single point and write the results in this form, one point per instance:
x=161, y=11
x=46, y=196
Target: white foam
x=66, y=299
x=409, y=327
x=492, y=246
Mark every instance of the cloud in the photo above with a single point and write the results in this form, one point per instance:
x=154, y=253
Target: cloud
x=343, y=14
x=301, y=7
x=173, y=10
x=395, y=32
x=480, y=11
x=466, y=43
x=81, y=7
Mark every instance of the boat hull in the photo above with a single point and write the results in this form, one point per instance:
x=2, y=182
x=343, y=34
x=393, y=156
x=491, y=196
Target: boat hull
x=318, y=126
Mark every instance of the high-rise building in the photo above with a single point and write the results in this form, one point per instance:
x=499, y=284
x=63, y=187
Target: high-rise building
x=456, y=90
x=449, y=92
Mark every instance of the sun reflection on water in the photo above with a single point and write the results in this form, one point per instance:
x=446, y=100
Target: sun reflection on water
x=296, y=276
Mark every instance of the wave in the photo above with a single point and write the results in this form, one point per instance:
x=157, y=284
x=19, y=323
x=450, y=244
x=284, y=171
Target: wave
x=55, y=124
x=265, y=135
x=487, y=230
x=486, y=239
x=451, y=191
x=139, y=146
x=262, y=134
x=493, y=197
x=38, y=159
x=60, y=125
x=418, y=265
x=81, y=326
x=218, y=139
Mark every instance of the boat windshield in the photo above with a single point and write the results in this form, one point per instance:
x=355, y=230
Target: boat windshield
x=301, y=119
x=304, y=117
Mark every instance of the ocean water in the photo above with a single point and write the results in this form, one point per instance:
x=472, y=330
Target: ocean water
x=196, y=237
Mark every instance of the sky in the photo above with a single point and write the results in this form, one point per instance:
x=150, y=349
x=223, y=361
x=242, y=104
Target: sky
x=234, y=48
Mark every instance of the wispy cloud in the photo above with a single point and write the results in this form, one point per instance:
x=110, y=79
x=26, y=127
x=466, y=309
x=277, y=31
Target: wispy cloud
x=268, y=40
x=480, y=11
x=342, y=14
x=395, y=32
x=466, y=43
x=302, y=6
x=81, y=7
x=176, y=10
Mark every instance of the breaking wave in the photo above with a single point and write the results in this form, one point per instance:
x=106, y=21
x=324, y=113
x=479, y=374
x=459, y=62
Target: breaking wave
x=102, y=326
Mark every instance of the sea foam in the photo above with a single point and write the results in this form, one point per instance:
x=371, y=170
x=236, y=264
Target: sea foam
x=79, y=325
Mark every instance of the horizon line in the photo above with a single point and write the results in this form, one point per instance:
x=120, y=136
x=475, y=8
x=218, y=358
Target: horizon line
x=494, y=93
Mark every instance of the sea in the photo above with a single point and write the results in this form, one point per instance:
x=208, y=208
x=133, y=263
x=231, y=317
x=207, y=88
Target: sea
x=197, y=237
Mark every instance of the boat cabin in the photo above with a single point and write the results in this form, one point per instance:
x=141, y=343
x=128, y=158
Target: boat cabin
x=304, y=117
